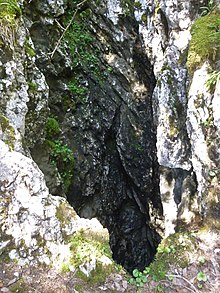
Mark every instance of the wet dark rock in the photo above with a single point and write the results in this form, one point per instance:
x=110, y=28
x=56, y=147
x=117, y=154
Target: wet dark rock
x=111, y=133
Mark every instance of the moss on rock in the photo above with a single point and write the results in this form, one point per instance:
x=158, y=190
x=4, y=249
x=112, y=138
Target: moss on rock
x=8, y=132
x=205, y=42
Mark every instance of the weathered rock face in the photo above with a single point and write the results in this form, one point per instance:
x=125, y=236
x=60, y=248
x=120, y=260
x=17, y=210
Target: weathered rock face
x=180, y=135
x=111, y=130
x=108, y=83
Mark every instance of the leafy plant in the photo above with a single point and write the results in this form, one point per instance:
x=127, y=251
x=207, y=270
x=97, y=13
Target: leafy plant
x=60, y=154
x=81, y=42
x=207, y=9
x=201, y=259
x=139, y=278
x=62, y=157
x=137, y=4
x=78, y=90
x=213, y=79
x=202, y=277
x=166, y=249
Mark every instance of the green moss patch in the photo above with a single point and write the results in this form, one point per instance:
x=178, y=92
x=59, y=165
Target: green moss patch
x=65, y=214
x=8, y=132
x=205, y=42
x=87, y=246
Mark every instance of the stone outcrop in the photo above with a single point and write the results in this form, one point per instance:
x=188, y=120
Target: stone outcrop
x=181, y=144
x=99, y=96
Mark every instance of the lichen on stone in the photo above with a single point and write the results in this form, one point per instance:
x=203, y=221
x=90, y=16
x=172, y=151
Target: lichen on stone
x=7, y=132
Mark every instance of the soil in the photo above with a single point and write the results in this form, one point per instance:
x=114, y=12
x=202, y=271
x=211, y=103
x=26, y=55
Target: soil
x=40, y=279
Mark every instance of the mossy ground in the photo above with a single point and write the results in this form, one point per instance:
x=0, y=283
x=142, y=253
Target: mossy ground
x=86, y=246
x=181, y=260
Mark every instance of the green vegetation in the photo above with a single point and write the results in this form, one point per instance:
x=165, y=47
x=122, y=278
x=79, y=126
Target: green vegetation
x=79, y=91
x=86, y=246
x=8, y=132
x=128, y=7
x=205, y=42
x=60, y=154
x=65, y=213
x=32, y=86
x=18, y=287
x=144, y=18
x=29, y=49
x=137, y=4
x=212, y=81
x=207, y=9
x=81, y=41
x=139, y=278
x=84, y=51
x=172, y=251
x=62, y=157
x=52, y=127
x=9, y=10
x=201, y=278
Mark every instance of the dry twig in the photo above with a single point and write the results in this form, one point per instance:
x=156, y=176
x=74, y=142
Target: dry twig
x=69, y=24
x=187, y=281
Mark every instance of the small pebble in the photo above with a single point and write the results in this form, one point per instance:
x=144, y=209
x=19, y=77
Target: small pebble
x=11, y=282
x=4, y=289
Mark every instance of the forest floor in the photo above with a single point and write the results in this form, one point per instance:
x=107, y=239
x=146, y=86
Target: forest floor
x=201, y=272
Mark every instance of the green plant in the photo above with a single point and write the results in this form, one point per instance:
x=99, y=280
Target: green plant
x=81, y=42
x=139, y=278
x=52, y=128
x=78, y=90
x=201, y=276
x=144, y=18
x=201, y=259
x=213, y=79
x=28, y=48
x=205, y=42
x=8, y=132
x=207, y=9
x=62, y=157
x=32, y=86
x=166, y=249
x=9, y=10
x=65, y=268
x=87, y=245
x=137, y=4
x=60, y=154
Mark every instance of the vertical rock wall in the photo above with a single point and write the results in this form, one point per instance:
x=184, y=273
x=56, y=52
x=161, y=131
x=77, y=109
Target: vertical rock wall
x=101, y=94
x=181, y=145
